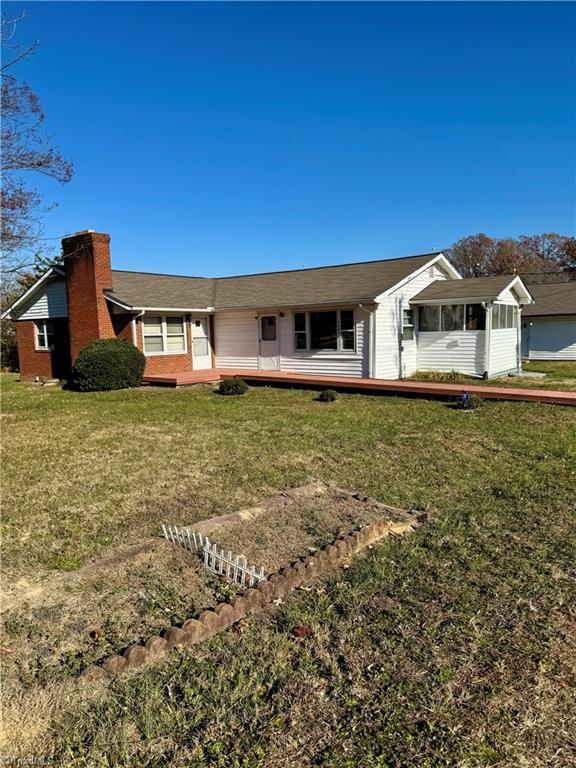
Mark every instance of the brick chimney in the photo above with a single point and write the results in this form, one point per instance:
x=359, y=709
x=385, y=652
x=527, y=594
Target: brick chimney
x=88, y=273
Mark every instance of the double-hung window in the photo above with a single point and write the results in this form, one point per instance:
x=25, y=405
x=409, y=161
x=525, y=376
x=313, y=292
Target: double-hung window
x=332, y=330
x=164, y=335
x=44, y=333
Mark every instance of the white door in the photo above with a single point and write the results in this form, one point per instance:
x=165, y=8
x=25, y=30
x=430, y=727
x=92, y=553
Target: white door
x=201, y=351
x=268, y=331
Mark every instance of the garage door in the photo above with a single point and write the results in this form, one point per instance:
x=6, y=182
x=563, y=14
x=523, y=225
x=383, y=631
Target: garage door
x=552, y=339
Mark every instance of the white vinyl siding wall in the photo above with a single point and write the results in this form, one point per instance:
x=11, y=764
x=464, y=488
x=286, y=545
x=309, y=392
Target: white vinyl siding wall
x=550, y=338
x=461, y=351
x=389, y=357
x=236, y=339
x=49, y=302
x=237, y=345
x=503, y=351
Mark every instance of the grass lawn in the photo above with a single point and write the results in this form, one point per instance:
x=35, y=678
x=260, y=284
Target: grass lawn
x=560, y=375
x=455, y=646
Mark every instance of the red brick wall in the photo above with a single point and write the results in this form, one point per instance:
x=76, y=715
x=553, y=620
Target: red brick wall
x=166, y=363
x=88, y=273
x=45, y=363
x=32, y=362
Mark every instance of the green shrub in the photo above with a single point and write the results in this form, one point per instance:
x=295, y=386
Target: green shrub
x=327, y=396
x=9, y=346
x=108, y=364
x=233, y=387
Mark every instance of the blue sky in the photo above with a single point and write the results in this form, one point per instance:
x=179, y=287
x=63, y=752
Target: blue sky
x=220, y=138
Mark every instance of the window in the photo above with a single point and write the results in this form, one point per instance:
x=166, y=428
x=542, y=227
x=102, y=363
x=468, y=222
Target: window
x=323, y=330
x=316, y=331
x=44, y=334
x=268, y=328
x=347, y=329
x=429, y=319
x=475, y=317
x=300, y=334
x=407, y=325
x=452, y=317
x=503, y=316
x=164, y=335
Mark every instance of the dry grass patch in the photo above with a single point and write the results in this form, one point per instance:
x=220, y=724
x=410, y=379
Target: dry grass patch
x=452, y=647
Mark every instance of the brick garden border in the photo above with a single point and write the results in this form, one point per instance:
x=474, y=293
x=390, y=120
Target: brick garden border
x=253, y=600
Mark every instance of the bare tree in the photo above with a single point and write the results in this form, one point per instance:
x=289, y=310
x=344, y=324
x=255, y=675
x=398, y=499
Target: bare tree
x=538, y=258
x=472, y=255
x=26, y=150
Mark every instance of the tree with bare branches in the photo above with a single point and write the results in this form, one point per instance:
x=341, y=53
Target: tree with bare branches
x=538, y=258
x=26, y=150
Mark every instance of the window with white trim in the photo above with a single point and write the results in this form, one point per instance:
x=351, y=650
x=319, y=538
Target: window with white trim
x=44, y=332
x=164, y=335
x=323, y=331
x=451, y=317
x=407, y=324
x=503, y=316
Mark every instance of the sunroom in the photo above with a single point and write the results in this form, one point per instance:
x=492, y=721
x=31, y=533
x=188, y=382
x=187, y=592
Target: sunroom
x=471, y=326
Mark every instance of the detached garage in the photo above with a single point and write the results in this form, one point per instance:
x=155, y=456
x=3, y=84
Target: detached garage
x=549, y=325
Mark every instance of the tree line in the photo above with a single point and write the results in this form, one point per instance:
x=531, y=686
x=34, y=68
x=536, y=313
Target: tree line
x=548, y=257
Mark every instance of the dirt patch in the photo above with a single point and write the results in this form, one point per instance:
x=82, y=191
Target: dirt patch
x=292, y=527
x=56, y=626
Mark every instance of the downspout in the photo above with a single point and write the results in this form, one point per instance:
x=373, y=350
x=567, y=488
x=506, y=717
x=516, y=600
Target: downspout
x=371, y=338
x=487, y=334
x=519, y=338
x=372, y=353
x=134, y=332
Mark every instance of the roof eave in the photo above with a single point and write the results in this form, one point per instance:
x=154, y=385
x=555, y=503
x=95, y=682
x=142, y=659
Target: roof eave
x=31, y=290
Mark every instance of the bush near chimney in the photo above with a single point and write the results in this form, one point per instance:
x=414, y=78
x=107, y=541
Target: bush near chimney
x=108, y=364
x=233, y=387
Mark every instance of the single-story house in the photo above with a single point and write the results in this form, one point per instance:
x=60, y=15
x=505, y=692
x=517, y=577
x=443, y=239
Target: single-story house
x=549, y=325
x=375, y=319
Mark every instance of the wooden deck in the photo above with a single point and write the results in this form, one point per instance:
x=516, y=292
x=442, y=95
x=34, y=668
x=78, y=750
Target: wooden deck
x=426, y=388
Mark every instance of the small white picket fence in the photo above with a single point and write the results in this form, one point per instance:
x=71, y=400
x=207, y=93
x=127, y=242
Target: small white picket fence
x=216, y=560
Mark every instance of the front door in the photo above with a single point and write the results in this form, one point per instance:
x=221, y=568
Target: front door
x=201, y=351
x=268, y=329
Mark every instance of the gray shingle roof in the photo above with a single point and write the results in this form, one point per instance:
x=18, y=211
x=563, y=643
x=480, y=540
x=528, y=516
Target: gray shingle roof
x=478, y=288
x=321, y=285
x=145, y=289
x=552, y=299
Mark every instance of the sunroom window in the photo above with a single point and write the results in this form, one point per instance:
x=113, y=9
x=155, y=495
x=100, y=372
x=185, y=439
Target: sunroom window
x=164, y=335
x=503, y=316
x=475, y=317
x=44, y=334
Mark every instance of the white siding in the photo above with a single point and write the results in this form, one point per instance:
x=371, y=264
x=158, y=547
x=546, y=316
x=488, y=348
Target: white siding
x=325, y=363
x=461, y=351
x=236, y=339
x=390, y=356
x=50, y=301
x=503, y=350
x=237, y=346
x=550, y=338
